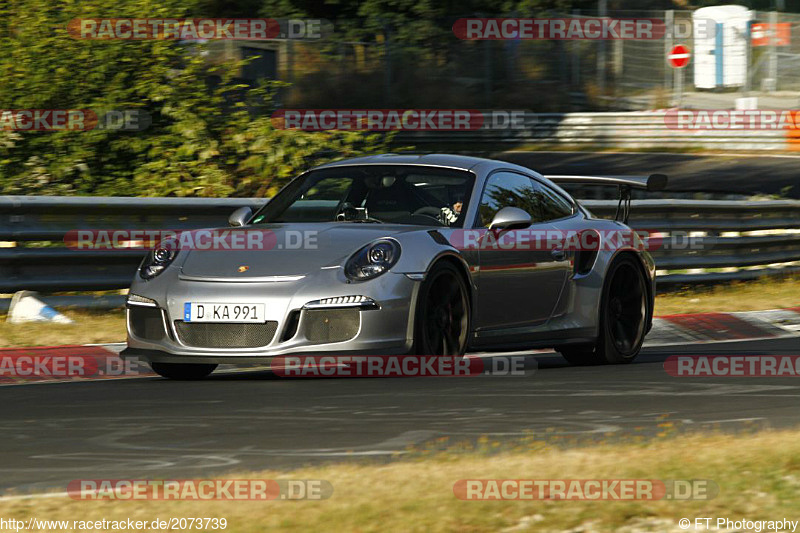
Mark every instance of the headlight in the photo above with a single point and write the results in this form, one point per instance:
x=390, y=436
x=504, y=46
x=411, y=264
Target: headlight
x=157, y=261
x=372, y=260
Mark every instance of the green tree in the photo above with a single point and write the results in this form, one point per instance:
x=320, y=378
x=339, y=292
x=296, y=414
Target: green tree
x=205, y=139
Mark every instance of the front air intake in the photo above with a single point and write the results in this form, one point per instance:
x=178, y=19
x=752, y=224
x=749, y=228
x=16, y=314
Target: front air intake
x=216, y=335
x=146, y=323
x=331, y=325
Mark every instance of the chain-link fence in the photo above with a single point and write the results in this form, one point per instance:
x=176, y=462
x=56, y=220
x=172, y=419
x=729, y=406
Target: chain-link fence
x=733, y=54
x=775, y=63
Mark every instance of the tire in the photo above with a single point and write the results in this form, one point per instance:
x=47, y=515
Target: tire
x=623, y=318
x=182, y=371
x=442, y=318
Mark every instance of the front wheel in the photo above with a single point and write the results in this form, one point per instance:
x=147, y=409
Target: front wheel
x=181, y=371
x=623, y=318
x=442, y=319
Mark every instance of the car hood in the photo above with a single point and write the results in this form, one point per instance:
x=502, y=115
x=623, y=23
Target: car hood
x=288, y=249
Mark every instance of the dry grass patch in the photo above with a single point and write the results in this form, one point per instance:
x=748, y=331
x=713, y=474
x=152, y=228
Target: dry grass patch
x=89, y=328
x=758, y=476
x=754, y=295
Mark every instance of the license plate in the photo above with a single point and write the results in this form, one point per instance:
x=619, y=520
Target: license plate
x=213, y=312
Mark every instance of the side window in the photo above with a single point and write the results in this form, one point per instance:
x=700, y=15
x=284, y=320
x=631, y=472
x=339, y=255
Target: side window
x=508, y=189
x=553, y=205
x=504, y=189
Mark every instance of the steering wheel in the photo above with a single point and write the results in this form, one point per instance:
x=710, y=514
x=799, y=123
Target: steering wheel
x=428, y=211
x=350, y=214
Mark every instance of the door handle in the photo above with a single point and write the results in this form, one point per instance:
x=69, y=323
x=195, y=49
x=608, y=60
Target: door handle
x=559, y=255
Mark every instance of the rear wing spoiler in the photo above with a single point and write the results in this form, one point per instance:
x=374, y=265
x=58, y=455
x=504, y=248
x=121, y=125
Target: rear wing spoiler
x=653, y=182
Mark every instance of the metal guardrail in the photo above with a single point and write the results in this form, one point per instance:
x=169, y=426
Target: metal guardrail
x=639, y=129
x=708, y=234
x=27, y=221
x=720, y=233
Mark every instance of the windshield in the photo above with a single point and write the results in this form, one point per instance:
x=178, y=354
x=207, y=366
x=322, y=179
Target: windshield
x=390, y=194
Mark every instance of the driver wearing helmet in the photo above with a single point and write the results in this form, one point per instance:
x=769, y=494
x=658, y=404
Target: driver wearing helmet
x=449, y=215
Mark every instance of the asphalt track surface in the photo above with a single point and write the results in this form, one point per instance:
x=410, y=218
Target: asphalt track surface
x=720, y=173
x=154, y=428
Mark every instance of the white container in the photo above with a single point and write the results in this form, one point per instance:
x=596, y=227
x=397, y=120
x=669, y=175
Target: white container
x=720, y=52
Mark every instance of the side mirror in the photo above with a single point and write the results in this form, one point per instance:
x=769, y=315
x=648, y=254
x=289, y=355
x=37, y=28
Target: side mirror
x=510, y=218
x=240, y=216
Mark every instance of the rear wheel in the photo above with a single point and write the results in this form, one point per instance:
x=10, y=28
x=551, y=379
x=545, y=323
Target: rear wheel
x=443, y=313
x=623, y=318
x=181, y=371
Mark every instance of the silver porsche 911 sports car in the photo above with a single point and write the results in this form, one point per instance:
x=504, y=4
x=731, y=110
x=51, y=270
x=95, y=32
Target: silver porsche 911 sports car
x=402, y=254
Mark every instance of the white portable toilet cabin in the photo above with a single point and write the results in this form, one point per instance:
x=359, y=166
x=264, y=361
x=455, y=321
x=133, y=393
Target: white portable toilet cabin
x=721, y=41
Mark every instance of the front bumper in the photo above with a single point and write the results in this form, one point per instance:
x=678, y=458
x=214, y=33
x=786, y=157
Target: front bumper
x=158, y=334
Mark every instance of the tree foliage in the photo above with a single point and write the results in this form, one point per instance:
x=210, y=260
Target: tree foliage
x=210, y=136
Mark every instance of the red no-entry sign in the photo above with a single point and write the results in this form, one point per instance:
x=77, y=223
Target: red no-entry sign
x=679, y=56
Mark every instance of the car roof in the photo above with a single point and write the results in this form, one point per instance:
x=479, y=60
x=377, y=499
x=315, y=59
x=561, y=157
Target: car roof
x=461, y=162
x=479, y=165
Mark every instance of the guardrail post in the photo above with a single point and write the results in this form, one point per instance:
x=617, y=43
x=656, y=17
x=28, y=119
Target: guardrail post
x=602, y=11
x=773, y=51
x=669, y=28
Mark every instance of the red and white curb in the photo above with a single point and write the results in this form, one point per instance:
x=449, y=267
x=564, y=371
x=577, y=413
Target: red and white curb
x=724, y=327
x=92, y=362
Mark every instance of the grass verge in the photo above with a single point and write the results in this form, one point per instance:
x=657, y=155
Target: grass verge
x=89, y=328
x=756, y=295
x=758, y=476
